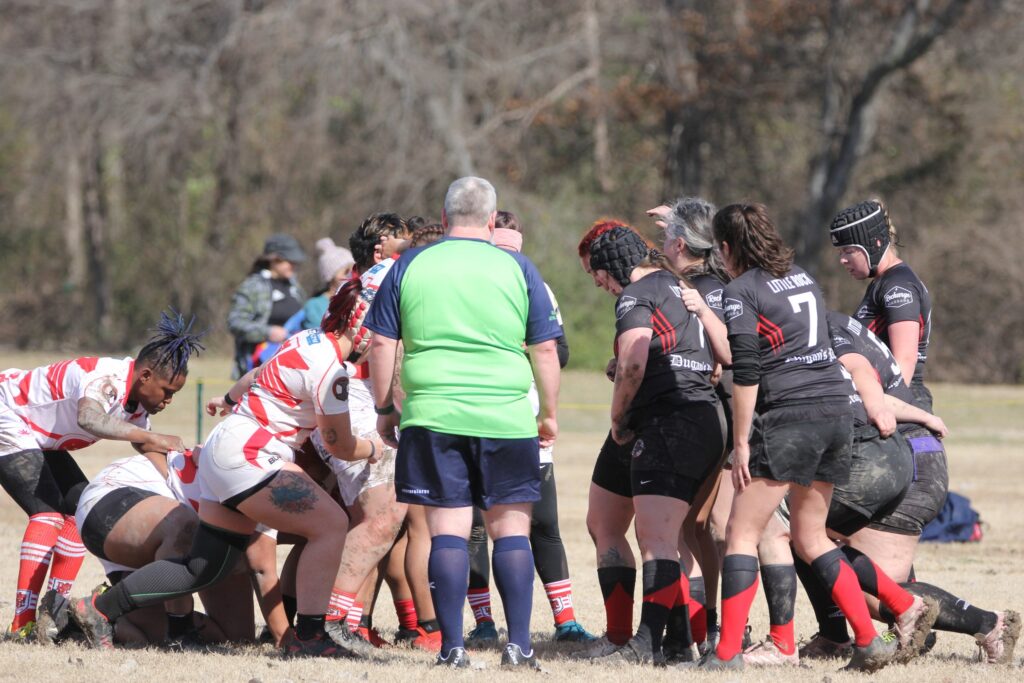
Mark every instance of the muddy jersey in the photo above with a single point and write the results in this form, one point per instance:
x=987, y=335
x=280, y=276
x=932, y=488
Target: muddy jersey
x=305, y=378
x=850, y=336
x=46, y=398
x=787, y=315
x=679, y=360
x=898, y=295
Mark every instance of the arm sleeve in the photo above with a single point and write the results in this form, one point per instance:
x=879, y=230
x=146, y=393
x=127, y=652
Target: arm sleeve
x=562, y=346
x=746, y=359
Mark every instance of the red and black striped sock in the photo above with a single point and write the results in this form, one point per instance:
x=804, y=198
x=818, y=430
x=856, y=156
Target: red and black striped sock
x=617, y=586
x=739, y=586
x=780, y=591
x=698, y=609
x=661, y=592
x=835, y=572
x=876, y=582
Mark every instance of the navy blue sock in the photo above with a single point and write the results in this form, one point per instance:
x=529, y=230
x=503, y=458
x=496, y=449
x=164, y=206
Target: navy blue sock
x=448, y=571
x=513, y=574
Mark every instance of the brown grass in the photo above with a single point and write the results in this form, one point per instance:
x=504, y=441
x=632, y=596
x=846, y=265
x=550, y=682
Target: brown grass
x=985, y=450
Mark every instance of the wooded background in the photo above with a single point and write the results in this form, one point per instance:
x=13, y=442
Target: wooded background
x=147, y=148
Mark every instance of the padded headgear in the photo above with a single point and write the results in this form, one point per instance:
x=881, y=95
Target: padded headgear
x=618, y=252
x=863, y=226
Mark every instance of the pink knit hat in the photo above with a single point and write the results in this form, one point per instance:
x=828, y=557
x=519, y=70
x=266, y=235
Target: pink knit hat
x=508, y=239
x=330, y=258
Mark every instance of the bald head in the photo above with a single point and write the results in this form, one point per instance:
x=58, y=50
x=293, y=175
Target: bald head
x=470, y=203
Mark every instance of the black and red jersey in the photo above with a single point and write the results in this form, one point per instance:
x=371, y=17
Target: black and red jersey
x=679, y=360
x=713, y=291
x=787, y=315
x=898, y=295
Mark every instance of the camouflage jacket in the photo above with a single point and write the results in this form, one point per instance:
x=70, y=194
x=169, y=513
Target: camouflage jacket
x=250, y=311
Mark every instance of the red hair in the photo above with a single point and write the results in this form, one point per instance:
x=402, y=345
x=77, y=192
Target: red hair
x=339, y=310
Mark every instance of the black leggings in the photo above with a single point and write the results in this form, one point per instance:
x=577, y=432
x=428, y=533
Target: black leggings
x=545, y=539
x=213, y=556
x=43, y=481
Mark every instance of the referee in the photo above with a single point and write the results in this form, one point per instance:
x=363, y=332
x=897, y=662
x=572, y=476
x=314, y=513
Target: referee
x=464, y=310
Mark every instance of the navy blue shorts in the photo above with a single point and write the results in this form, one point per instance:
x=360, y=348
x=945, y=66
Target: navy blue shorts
x=452, y=471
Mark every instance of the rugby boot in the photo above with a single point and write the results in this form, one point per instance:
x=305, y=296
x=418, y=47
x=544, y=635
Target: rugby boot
x=372, y=636
x=25, y=634
x=873, y=656
x=428, y=641
x=600, y=647
x=767, y=653
x=676, y=653
x=996, y=646
x=484, y=635
x=913, y=626
x=348, y=640
x=820, y=647
x=635, y=651
x=405, y=636
x=320, y=645
x=97, y=629
x=711, y=662
x=455, y=659
x=572, y=632
x=52, y=618
x=513, y=657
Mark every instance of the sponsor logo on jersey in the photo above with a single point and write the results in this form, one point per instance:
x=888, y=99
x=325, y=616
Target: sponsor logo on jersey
x=677, y=361
x=340, y=388
x=638, y=448
x=898, y=297
x=678, y=291
x=733, y=309
x=714, y=299
x=838, y=341
x=624, y=306
x=313, y=337
x=856, y=327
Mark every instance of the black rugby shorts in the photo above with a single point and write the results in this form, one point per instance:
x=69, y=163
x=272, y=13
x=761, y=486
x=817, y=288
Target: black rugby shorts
x=674, y=454
x=880, y=474
x=802, y=443
x=106, y=513
x=927, y=492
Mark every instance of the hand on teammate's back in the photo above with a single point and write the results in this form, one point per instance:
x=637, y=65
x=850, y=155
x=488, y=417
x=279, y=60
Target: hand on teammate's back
x=162, y=443
x=885, y=422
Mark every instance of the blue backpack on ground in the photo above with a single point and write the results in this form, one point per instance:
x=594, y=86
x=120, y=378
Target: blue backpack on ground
x=957, y=522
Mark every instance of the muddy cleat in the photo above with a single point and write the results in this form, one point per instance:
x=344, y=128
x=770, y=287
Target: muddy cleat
x=996, y=647
x=599, y=647
x=455, y=659
x=711, y=662
x=51, y=618
x=873, y=656
x=767, y=653
x=348, y=641
x=372, y=636
x=572, y=632
x=405, y=636
x=677, y=653
x=635, y=651
x=320, y=645
x=914, y=625
x=820, y=647
x=97, y=629
x=25, y=634
x=484, y=635
x=513, y=657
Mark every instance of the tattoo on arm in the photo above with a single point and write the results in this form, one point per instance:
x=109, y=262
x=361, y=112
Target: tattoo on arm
x=95, y=420
x=330, y=436
x=290, y=492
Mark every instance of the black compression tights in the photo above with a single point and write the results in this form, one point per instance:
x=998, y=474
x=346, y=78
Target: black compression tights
x=545, y=538
x=213, y=556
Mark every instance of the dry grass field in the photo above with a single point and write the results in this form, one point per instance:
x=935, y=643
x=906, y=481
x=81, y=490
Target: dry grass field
x=986, y=453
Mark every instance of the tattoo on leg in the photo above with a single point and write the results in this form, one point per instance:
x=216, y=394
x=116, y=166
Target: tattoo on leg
x=610, y=558
x=290, y=492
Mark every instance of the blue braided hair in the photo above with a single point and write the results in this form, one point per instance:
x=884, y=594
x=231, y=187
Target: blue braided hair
x=172, y=345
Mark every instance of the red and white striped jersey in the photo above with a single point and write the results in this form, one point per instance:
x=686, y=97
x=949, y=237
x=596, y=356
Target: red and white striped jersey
x=46, y=398
x=370, y=280
x=305, y=378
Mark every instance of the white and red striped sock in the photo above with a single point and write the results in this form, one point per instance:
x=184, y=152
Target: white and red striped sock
x=480, y=602
x=36, y=552
x=340, y=604
x=560, y=598
x=354, y=615
x=68, y=555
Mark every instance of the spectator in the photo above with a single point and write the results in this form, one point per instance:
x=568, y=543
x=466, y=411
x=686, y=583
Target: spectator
x=335, y=266
x=464, y=312
x=264, y=302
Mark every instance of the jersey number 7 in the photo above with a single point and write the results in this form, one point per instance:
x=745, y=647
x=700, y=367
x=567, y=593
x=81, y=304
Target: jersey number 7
x=797, y=301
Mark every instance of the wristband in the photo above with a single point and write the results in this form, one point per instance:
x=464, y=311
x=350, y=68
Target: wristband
x=230, y=401
x=373, y=450
x=386, y=410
